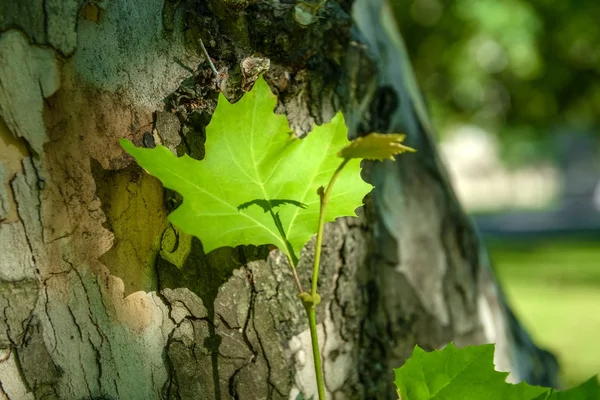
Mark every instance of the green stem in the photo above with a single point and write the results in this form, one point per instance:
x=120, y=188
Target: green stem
x=314, y=338
x=314, y=298
x=324, y=199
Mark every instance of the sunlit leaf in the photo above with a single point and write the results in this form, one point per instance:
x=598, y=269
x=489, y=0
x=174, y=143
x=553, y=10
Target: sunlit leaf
x=376, y=146
x=258, y=183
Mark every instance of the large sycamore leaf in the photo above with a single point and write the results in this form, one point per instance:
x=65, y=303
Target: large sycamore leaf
x=468, y=374
x=258, y=183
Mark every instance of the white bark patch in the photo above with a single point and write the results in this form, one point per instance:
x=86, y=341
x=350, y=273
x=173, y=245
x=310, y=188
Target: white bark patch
x=16, y=262
x=495, y=332
x=28, y=74
x=416, y=226
x=336, y=358
x=304, y=377
x=12, y=385
x=493, y=321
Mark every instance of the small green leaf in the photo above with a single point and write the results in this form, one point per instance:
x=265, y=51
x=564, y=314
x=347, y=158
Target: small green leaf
x=258, y=183
x=465, y=374
x=376, y=146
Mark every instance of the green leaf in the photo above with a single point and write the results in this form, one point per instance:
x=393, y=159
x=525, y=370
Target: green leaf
x=258, y=183
x=452, y=374
x=376, y=146
x=589, y=390
x=468, y=374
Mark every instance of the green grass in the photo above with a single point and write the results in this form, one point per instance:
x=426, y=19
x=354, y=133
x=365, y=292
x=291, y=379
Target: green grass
x=554, y=288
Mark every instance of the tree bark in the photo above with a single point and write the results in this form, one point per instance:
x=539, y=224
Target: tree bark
x=102, y=298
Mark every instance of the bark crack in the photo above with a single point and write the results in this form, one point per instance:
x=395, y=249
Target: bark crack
x=254, y=293
x=47, y=312
x=249, y=315
x=98, y=359
x=75, y=322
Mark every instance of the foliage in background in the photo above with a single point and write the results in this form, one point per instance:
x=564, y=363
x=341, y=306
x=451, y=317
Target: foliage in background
x=518, y=67
x=553, y=286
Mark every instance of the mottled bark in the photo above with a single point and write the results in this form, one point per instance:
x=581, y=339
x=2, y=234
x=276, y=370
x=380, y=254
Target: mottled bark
x=102, y=298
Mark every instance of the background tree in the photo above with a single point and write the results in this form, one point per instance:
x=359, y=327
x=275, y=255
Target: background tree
x=103, y=298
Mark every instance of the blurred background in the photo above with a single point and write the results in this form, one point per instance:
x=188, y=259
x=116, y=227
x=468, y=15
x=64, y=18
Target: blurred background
x=513, y=89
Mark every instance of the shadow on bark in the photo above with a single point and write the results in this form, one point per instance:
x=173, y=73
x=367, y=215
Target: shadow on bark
x=204, y=274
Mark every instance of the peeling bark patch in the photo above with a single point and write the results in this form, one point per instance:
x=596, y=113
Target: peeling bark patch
x=233, y=300
x=12, y=152
x=275, y=314
x=133, y=204
x=28, y=74
x=304, y=377
x=12, y=149
x=27, y=196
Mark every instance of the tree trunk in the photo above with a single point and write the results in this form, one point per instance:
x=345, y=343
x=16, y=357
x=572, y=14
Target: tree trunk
x=102, y=298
